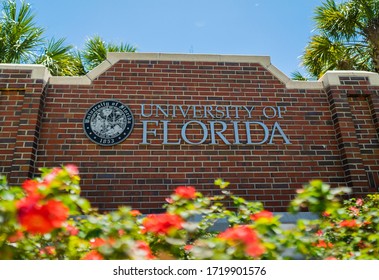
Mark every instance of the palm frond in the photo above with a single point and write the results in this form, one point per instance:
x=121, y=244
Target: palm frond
x=94, y=52
x=57, y=57
x=19, y=35
x=323, y=54
x=347, y=37
x=297, y=76
x=338, y=20
x=96, y=49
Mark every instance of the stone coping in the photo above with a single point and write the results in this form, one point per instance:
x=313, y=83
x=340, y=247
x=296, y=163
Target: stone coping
x=39, y=72
x=331, y=78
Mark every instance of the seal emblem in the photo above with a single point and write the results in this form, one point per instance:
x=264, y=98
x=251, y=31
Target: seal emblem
x=108, y=122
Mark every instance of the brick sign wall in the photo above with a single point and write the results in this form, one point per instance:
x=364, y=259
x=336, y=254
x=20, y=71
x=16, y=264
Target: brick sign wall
x=196, y=118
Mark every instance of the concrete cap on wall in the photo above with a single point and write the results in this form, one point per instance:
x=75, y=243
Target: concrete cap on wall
x=329, y=79
x=265, y=61
x=113, y=58
x=332, y=78
x=39, y=72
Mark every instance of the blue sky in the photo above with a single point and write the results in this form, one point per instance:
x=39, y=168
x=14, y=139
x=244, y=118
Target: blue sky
x=277, y=28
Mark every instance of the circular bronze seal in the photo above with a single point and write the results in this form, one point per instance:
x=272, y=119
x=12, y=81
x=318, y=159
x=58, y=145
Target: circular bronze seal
x=108, y=122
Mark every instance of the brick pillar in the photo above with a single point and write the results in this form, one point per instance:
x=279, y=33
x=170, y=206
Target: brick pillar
x=374, y=107
x=354, y=104
x=22, y=96
x=374, y=155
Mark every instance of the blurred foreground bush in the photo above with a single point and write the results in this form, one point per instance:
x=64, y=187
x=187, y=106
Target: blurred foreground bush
x=46, y=218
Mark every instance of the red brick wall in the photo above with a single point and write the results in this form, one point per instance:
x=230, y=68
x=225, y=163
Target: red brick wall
x=142, y=175
x=367, y=137
x=10, y=107
x=354, y=102
x=21, y=105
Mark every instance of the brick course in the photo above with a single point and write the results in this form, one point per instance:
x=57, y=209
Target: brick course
x=332, y=125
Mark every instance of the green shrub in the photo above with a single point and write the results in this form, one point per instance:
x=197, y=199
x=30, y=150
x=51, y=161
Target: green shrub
x=46, y=218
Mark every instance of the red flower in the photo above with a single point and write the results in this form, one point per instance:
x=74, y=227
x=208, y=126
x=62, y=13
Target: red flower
x=48, y=250
x=325, y=214
x=322, y=244
x=31, y=187
x=41, y=218
x=135, y=213
x=18, y=235
x=255, y=249
x=245, y=236
x=188, y=247
x=93, y=255
x=97, y=242
x=264, y=214
x=186, y=192
x=162, y=223
x=143, y=247
x=56, y=212
x=349, y=223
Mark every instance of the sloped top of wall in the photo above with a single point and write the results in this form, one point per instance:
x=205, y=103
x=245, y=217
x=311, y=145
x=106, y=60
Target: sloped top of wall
x=113, y=58
x=330, y=78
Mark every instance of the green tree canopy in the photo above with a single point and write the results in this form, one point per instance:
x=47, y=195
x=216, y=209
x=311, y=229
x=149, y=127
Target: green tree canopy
x=19, y=35
x=347, y=37
x=22, y=41
x=96, y=49
x=60, y=59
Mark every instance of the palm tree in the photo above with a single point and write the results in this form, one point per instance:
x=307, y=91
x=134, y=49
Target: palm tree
x=19, y=36
x=21, y=41
x=298, y=76
x=347, y=39
x=61, y=60
x=95, y=51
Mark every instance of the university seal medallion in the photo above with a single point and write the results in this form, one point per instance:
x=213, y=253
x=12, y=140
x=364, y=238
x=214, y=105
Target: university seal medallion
x=108, y=122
